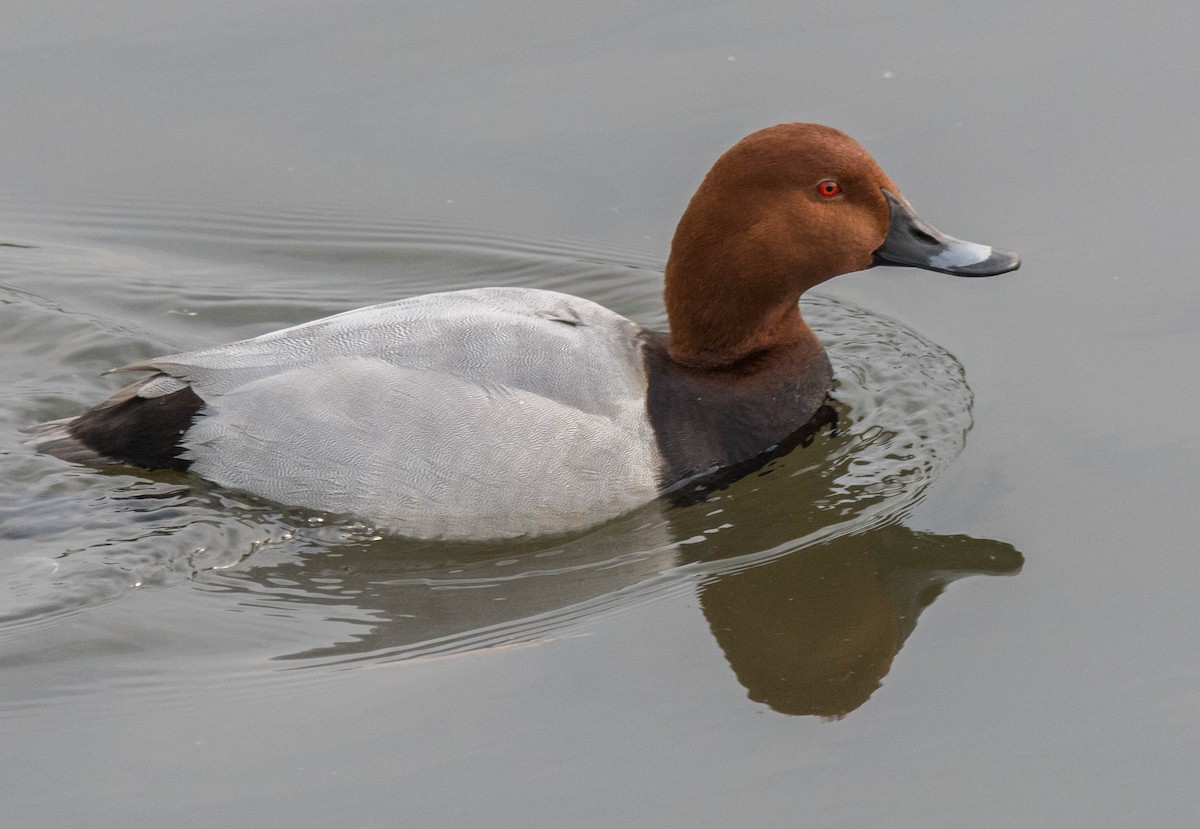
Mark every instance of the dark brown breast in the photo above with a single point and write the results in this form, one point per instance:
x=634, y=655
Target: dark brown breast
x=713, y=427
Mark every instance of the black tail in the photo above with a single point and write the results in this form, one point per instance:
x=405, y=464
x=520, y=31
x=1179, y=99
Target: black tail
x=125, y=428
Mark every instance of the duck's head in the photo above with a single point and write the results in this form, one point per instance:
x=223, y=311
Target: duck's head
x=784, y=209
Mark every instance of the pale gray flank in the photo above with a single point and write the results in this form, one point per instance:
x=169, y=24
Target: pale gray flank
x=470, y=414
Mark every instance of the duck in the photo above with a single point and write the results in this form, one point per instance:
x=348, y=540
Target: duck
x=516, y=411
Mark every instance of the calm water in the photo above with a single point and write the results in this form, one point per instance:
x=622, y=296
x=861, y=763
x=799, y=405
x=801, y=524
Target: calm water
x=818, y=645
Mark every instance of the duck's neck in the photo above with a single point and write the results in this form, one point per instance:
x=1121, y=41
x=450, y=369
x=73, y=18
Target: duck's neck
x=719, y=321
x=734, y=277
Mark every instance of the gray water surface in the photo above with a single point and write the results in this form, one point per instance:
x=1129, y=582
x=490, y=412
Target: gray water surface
x=816, y=646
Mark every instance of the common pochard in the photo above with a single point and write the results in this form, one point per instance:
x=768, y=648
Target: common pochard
x=516, y=411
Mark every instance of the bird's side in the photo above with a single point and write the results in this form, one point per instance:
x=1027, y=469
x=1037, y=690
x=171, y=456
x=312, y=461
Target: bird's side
x=419, y=414
x=514, y=411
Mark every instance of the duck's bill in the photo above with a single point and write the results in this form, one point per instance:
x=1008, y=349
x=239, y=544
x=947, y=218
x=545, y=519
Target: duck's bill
x=912, y=242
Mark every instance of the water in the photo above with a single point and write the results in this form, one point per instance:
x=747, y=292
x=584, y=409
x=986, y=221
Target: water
x=812, y=647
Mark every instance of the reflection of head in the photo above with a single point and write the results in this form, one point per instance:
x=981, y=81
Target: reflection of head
x=815, y=632
x=810, y=639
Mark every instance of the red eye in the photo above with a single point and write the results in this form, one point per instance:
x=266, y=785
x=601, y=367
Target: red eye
x=829, y=188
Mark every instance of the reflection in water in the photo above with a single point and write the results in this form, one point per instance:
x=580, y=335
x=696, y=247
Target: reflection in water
x=416, y=598
x=810, y=631
x=815, y=632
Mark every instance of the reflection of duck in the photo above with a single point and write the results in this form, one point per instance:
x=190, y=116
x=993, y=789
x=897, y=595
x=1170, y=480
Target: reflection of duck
x=816, y=631
x=807, y=632
x=502, y=412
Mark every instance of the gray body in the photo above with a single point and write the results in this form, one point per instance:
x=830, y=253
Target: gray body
x=483, y=413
